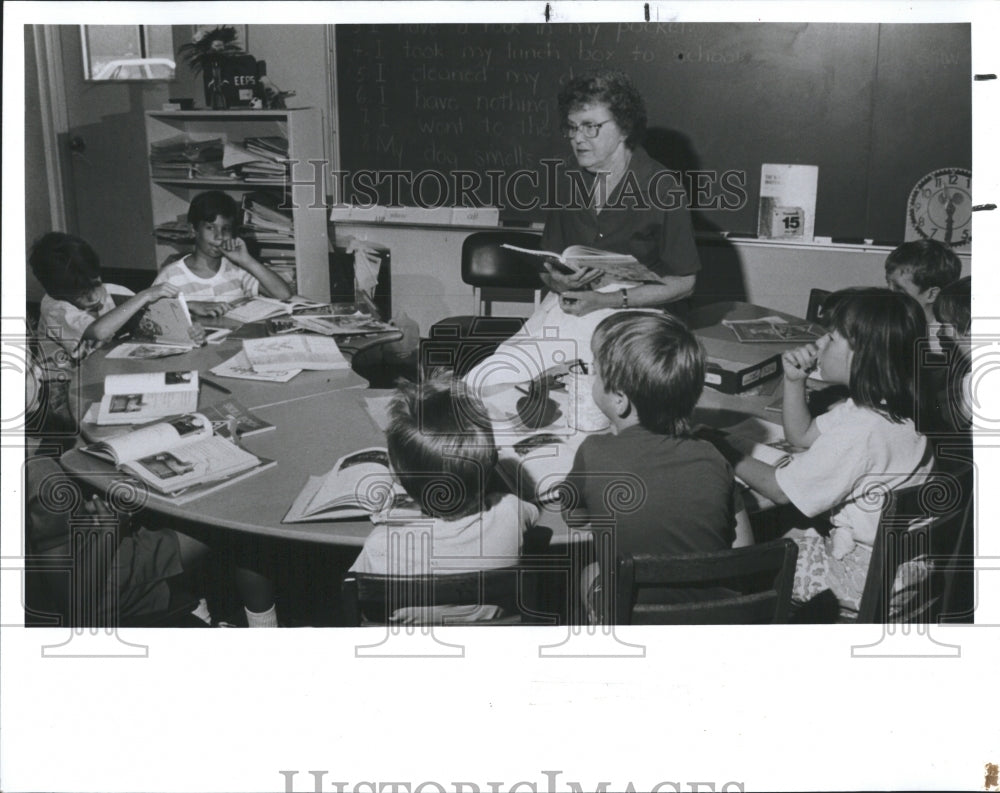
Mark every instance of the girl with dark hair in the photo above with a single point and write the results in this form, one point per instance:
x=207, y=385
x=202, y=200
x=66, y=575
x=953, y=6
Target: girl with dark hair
x=858, y=452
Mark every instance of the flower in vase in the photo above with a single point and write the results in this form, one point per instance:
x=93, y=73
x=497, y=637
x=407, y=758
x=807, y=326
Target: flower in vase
x=207, y=45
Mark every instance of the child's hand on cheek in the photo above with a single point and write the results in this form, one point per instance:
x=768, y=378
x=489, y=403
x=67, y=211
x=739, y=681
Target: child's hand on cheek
x=799, y=362
x=235, y=249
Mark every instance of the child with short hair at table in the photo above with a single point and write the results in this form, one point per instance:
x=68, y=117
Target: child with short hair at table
x=77, y=312
x=859, y=450
x=146, y=563
x=953, y=309
x=442, y=451
x=649, y=372
x=221, y=269
x=921, y=269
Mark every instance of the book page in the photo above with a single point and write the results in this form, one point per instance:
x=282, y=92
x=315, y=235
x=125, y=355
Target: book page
x=167, y=320
x=205, y=460
x=152, y=439
x=139, y=408
x=554, y=258
x=622, y=267
x=256, y=309
x=239, y=367
x=360, y=479
x=294, y=352
x=148, y=382
x=144, y=352
x=772, y=329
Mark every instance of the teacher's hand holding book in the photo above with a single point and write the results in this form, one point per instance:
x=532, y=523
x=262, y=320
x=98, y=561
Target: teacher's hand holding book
x=561, y=281
x=583, y=302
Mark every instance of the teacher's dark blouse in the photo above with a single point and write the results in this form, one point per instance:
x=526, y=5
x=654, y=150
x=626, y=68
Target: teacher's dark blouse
x=662, y=239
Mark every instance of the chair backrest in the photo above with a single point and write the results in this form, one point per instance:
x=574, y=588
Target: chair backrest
x=740, y=586
x=487, y=265
x=814, y=311
x=932, y=522
x=372, y=599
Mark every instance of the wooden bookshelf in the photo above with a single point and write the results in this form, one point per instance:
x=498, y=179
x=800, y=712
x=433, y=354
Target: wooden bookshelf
x=302, y=127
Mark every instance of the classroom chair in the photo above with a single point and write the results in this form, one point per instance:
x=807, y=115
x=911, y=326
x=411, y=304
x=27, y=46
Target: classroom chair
x=742, y=586
x=814, y=309
x=932, y=522
x=504, y=596
x=493, y=272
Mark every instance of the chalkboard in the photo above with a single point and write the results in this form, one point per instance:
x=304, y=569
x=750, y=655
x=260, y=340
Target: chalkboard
x=874, y=106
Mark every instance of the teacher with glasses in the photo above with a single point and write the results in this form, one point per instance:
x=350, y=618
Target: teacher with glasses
x=620, y=200
x=629, y=202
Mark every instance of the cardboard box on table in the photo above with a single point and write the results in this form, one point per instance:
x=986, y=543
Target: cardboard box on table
x=734, y=366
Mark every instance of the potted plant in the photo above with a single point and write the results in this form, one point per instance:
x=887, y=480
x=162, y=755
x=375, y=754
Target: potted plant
x=205, y=54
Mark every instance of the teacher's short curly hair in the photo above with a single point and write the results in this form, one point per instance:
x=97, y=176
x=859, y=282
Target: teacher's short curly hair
x=612, y=88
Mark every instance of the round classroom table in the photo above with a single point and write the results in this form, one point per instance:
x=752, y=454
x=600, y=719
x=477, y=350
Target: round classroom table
x=318, y=417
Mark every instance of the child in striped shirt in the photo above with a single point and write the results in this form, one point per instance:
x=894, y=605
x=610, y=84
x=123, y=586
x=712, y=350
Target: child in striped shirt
x=221, y=269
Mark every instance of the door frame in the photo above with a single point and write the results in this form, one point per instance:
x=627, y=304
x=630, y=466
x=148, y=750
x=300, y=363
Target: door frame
x=55, y=119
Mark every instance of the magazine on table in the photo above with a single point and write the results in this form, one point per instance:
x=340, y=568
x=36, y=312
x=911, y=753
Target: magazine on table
x=755, y=438
x=328, y=325
x=138, y=398
x=232, y=419
x=283, y=353
x=359, y=484
x=773, y=330
x=238, y=367
x=167, y=321
x=181, y=458
x=140, y=351
x=255, y=309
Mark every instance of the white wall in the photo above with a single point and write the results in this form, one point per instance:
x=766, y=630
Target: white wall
x=427, y=281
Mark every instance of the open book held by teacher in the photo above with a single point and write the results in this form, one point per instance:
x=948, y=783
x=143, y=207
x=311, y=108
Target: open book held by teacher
x=180, y=458
x=620, y=266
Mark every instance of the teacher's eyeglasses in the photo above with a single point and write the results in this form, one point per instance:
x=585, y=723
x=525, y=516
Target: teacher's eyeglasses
x=587, y=129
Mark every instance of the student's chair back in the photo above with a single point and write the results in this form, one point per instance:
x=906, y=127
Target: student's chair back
x=740, y=586
x=814, y=310
x=493, y=272
x=504, y=596
x=932, y=523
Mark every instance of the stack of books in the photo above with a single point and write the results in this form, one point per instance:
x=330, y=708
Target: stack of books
x=267, y=225
x=175, y=232
x=271, y=153
x=183, y=157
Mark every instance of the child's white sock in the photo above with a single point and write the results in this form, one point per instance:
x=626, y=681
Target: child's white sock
x=202, y=612
x=263, y=619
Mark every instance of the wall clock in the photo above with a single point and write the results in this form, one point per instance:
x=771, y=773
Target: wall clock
x=940, y=208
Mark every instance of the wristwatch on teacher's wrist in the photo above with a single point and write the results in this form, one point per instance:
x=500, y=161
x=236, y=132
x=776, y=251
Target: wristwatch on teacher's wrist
x=624, y=294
